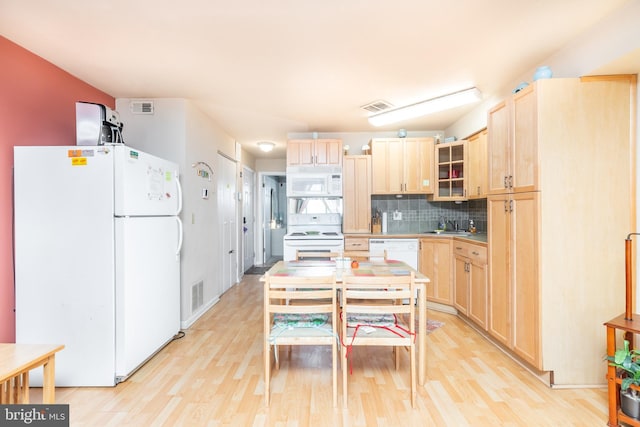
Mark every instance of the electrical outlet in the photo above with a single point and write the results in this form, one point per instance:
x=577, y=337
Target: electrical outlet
x=397, y=216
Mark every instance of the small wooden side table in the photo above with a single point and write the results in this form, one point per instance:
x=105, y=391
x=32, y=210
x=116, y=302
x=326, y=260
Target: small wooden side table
x=16, y=360
x=629, y=327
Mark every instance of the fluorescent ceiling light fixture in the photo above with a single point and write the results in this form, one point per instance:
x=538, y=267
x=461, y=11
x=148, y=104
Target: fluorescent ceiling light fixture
x=266, y=146
x=424, y=108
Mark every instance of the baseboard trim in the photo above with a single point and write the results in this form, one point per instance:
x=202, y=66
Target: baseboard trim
x=186, y=324
x=441, y=307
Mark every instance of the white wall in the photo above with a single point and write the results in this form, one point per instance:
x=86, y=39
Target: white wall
x=178, y=131
x=615, y=36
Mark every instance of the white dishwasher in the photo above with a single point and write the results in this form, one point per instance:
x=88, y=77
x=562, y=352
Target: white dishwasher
x=405, y=250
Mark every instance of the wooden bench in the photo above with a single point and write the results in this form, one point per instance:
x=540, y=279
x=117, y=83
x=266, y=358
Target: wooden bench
x=16, y=360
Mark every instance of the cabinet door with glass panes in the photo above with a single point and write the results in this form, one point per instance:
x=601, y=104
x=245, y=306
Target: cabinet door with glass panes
x=451, y=159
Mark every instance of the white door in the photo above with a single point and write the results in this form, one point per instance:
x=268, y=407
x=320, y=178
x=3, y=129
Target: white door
x=248, y=219
x=147, y=288
x=227, y=221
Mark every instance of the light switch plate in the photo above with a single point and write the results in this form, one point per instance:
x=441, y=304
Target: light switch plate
x=397, y=216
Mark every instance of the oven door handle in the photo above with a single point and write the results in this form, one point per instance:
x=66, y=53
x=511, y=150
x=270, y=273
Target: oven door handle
x=315, y=243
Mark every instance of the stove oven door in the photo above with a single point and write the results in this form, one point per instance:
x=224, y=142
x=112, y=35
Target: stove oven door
x=310, y=245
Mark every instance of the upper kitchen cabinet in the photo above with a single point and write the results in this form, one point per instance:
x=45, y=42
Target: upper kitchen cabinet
x=402, y=165
x=477, y=181
x=513, y=143
x=451, y=161
x=314, y=152
x=356, y=194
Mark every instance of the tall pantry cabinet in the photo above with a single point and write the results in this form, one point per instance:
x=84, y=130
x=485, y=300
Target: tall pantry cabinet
x=356, y=193
x=560, y=205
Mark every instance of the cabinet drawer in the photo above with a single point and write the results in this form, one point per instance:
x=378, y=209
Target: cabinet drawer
x=356, y=244
x=475, y=253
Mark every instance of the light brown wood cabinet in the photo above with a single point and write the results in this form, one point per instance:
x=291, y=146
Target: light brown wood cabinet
x=402, y=165
x=514, y=275
x=477, y=181
x=356, y=243
x=470, y=281
x=451, y=171
x=435, y=262
x=356, y=194
x=314, y=152
x=560, y=204
x=513, y=144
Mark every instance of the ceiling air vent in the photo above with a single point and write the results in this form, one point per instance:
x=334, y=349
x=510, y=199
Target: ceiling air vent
x=142, y=107
x=377, y=106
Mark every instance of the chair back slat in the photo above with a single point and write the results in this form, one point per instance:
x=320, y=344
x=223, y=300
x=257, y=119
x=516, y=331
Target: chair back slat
x=307, y=294
x=377, y=294
x=365, y=255
x=301, y=309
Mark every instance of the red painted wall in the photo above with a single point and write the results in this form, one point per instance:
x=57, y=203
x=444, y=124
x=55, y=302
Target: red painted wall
x=37, y=107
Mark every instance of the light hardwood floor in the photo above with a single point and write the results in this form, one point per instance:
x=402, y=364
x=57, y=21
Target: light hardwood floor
x=213, y=377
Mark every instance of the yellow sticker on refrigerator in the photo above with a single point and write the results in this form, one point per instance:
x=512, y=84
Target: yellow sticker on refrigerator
x=78, y=161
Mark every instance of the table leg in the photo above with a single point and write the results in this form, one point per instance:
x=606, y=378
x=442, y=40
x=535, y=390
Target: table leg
x=48, y=380
x=611, y=379
x=422, y=333
x=24, y=382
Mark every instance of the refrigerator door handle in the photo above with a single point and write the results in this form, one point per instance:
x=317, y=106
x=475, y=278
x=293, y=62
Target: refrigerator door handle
x=179, y=186
x=179, y=236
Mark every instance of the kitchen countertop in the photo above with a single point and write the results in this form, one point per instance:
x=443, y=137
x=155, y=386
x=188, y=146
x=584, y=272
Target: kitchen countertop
x=475, y=238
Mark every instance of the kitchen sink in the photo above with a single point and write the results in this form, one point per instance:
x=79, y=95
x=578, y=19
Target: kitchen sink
x=450, y=232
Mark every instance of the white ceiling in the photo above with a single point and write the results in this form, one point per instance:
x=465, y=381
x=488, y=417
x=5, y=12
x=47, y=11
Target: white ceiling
x=264, y=68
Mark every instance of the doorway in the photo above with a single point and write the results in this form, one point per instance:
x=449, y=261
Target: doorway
x=272, y=209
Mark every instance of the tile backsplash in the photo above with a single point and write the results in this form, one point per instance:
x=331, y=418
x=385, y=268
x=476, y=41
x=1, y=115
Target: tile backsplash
x=420, y=214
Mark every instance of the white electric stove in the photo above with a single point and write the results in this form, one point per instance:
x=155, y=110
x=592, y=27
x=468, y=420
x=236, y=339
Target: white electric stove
x=313, y=233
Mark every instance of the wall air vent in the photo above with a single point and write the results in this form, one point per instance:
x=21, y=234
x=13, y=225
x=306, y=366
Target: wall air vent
x=142, y=107
x=377, y=106
x=197, y=296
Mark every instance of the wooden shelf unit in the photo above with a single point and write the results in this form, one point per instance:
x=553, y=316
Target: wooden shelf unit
x=629, y=327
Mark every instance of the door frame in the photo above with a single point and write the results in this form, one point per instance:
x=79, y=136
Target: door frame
x=248, y=179
x=259, y=225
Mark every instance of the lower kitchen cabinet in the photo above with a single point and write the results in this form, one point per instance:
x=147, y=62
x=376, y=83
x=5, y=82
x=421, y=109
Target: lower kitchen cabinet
x=356, y=243
x=514, y=309
x=470, y=281
x=437, y=265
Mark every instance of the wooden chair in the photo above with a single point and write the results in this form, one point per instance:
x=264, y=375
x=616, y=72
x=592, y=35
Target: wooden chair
x=365, y=255
x=315, y=255
x=370, y=317
x=312, y=322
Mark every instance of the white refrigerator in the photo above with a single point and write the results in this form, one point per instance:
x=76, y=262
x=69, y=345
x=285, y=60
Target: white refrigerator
x=97, y=257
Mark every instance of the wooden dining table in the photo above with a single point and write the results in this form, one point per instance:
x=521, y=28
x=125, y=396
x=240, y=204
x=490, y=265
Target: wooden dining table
x=309, y=268
x=16, y=360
